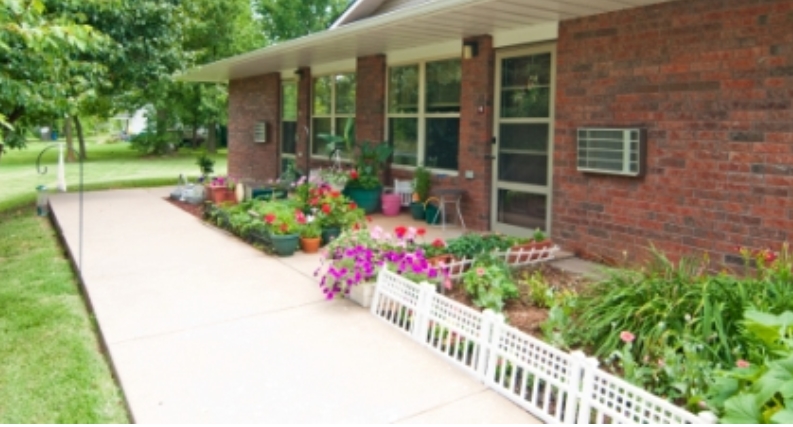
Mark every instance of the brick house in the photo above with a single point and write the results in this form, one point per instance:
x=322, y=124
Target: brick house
x=610, y=123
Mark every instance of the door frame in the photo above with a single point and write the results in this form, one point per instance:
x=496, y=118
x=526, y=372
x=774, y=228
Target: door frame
x=547, y=191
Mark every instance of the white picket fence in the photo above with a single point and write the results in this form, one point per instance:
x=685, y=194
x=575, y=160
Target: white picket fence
x=553, y=385
x=512, y=257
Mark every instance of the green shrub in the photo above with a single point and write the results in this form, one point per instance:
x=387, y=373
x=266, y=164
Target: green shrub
x=687, y=321
x=489, y=284
x=760, y=392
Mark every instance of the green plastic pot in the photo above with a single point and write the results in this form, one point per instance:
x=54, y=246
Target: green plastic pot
x=417, y=210
x=330, y=233
x=431, y=214
x=367, y=199
x=286, y=244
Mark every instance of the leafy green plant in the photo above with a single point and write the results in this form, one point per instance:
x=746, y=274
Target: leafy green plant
x=489, y=284
x=345, y=141
x=557, y=326
x=540, y=293
x=471, y=245
x=422, y=182
x=205, y=164
x=538, y=235
x=759, y=393
x=311, y=230
x=370, y=158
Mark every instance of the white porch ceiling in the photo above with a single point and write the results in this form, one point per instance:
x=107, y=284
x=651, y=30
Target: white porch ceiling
x=430, y=23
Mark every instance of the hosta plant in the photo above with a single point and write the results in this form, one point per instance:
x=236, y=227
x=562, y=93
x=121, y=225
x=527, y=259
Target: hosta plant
x=759, y=392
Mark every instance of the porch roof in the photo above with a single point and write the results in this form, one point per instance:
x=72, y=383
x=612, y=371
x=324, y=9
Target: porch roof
x=426, y=24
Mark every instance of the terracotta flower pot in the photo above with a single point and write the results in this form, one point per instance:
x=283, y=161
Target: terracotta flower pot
x=526, y=247
x=310, y=245
x=220, y=195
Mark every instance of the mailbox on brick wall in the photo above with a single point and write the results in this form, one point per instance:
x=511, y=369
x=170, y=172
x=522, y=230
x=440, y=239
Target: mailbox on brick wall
x=612, y=151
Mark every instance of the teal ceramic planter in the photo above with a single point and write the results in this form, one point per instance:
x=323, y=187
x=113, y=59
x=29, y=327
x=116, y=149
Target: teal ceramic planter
x=417, y=210
x=329, y=233
x=285, y=245
x=366, y=199
x=431, y=214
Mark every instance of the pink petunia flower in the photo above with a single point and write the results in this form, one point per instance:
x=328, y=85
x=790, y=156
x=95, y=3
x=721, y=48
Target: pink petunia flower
x=627, y=337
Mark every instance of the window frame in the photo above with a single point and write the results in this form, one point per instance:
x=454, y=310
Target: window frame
x=333, y=115
x=421, y=115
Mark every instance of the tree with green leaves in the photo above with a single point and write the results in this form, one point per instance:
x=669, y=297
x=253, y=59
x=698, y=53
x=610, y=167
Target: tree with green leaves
x=283, y=20
x=38, y=51
x=146, y=50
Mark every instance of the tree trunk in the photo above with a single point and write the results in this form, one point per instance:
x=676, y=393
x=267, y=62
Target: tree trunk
x=80, y=137
x=194, y=140
x=212, y=143
x=162, y=129
x=67, y=128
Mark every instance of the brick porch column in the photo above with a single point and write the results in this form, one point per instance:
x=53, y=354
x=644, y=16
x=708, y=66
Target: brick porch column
x=476, y=133
x=304, y=119
x=252, y=100
x=370, y=73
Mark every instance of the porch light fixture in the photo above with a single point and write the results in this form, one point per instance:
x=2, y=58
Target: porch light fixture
x=299, y=73
x=470, y=49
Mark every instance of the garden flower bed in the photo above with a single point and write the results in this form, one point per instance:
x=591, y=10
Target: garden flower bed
x=673, y=329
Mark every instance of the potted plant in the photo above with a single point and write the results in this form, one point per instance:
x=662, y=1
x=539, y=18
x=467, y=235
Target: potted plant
x=283, y=226
x=221, y=190
x=310, y=236
x=333, y=211
x=364, y=186
x=422, y=181
x=521, y=250
x=206, y=165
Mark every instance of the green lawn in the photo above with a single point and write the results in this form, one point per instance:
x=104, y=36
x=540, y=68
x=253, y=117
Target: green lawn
x=108, y=166
x=51, y=367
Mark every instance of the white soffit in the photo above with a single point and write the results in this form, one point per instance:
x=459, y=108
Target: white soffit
x=429, y=24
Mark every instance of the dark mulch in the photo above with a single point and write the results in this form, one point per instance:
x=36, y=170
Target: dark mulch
x=521, y=313
x=195, y=210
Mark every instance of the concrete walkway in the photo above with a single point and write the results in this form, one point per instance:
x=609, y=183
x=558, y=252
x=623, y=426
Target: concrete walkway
x=202, y=328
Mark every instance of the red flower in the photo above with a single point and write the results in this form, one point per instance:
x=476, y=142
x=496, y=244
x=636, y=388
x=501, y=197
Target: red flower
x=300, y=216
x=284, y=227
x=354, y=174
x=353, y=205
x=269, y=218
x=742, y=364
x=627, y=337
x=335, y=194
x=314, y=201
x=368, y=218
x=356, y=226
x=326, y=208
x=770, y=256
x=421, y=231
x=438, y=243
x=400, y=231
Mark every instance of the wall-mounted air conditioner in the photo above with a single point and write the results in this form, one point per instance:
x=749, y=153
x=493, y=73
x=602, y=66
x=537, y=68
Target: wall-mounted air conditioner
x=612, y=151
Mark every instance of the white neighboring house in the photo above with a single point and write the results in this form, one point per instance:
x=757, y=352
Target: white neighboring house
x=133, y=124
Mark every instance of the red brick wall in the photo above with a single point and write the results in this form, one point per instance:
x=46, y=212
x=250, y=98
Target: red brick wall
x=252, y=100
x=712, y=82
